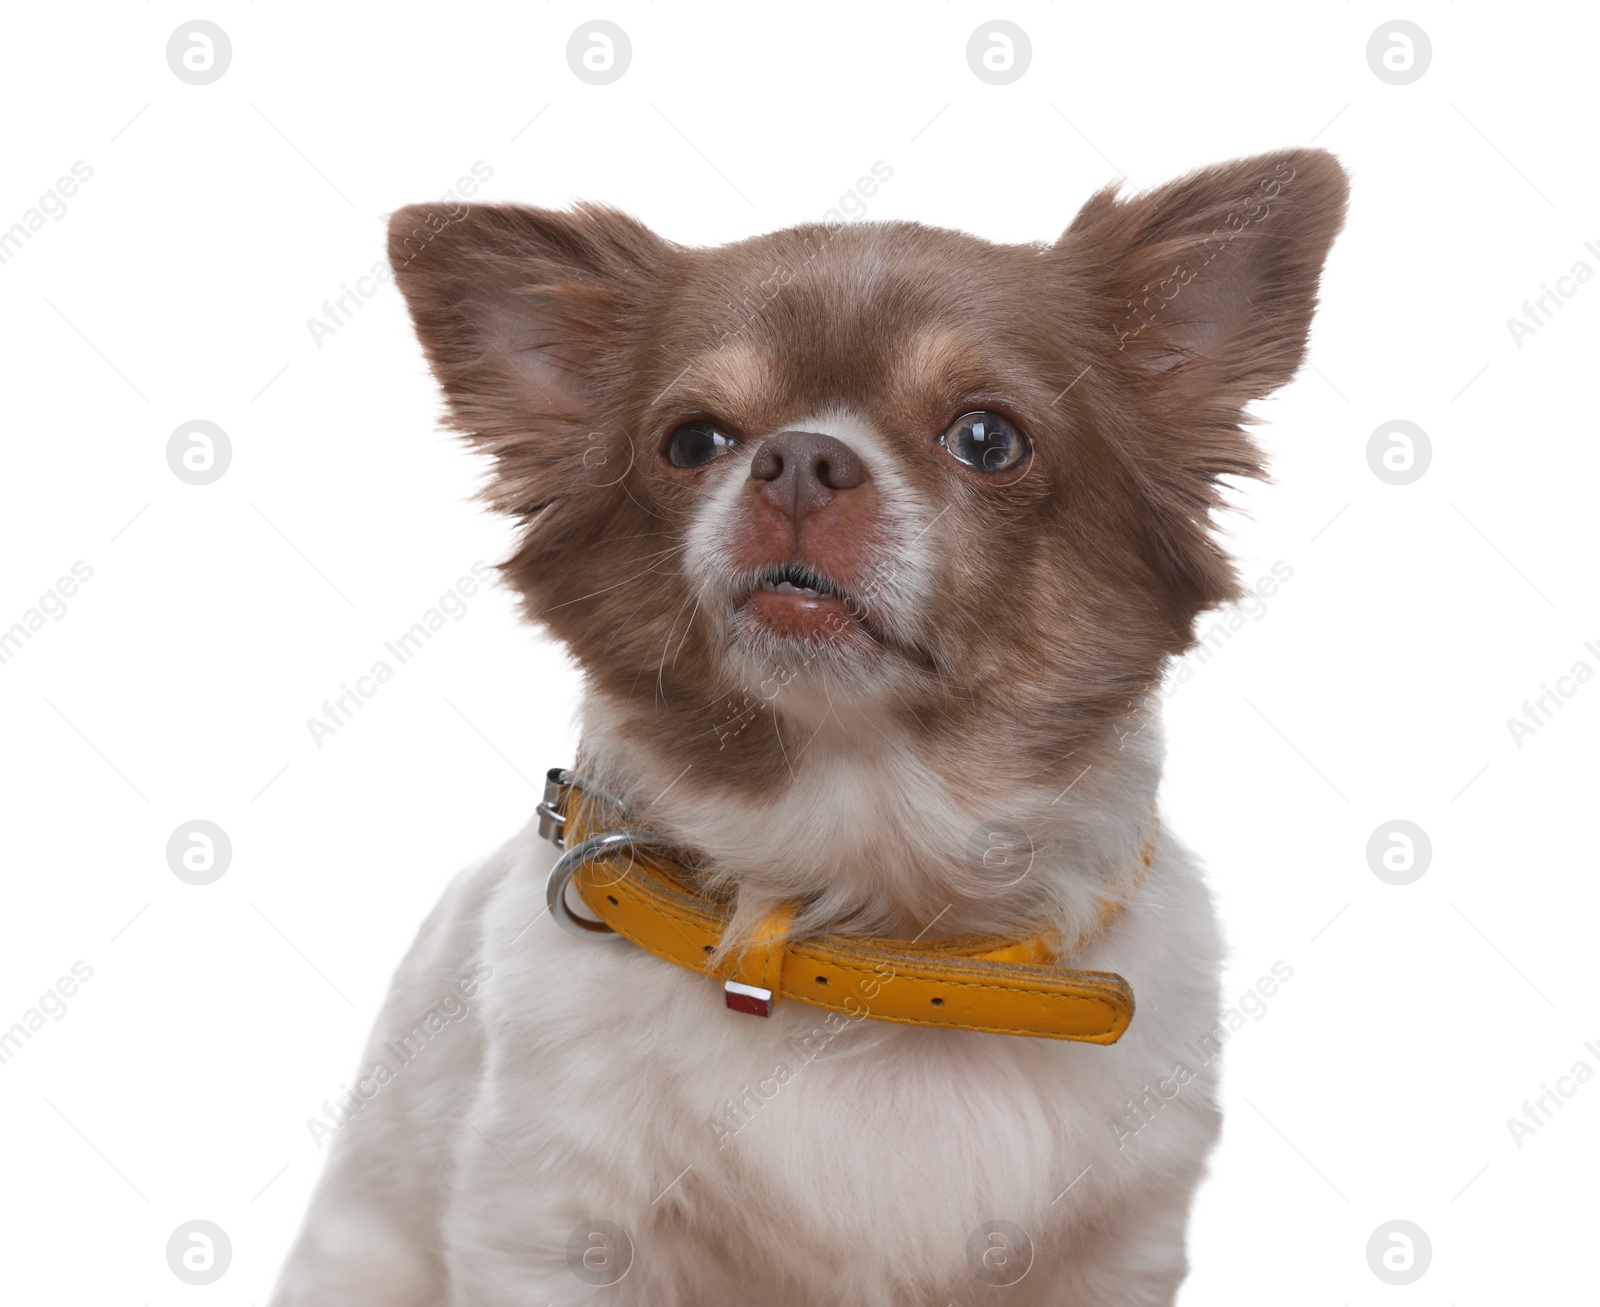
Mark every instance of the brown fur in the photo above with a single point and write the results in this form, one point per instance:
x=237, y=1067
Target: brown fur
x=570, y=344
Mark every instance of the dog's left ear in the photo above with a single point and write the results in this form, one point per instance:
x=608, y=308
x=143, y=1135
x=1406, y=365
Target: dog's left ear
x=1207, y=285
x=1200, y=295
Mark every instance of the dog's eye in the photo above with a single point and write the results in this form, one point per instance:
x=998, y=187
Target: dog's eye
x=696, y=444
x=985, y=442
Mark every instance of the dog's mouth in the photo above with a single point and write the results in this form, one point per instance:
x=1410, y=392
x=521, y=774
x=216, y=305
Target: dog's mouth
x=797, y=602
x=797, y=579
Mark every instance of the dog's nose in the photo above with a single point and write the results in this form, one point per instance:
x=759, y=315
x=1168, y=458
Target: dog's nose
x=799, y=471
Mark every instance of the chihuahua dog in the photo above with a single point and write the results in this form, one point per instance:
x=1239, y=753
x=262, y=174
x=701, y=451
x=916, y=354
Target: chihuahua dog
x=872, y=543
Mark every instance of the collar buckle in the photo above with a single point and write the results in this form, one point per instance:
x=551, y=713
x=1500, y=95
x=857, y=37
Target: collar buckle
x=551, y=811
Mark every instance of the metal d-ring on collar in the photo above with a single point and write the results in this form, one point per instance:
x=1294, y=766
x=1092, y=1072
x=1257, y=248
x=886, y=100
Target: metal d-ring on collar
x=552, y=826
x=555, y=890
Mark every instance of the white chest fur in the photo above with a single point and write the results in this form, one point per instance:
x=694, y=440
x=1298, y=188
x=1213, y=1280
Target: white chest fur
x=833, y=1160
x=798, y=1159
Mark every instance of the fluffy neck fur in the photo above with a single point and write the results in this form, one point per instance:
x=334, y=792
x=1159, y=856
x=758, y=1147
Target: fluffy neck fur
x=876, y=829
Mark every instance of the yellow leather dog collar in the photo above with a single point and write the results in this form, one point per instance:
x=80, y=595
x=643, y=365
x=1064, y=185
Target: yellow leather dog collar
x=988, y=983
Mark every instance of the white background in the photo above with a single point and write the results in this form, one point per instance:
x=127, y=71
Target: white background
x=1377, y=685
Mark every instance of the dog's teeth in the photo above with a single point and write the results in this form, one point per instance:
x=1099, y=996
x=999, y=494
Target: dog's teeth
x=789, y=588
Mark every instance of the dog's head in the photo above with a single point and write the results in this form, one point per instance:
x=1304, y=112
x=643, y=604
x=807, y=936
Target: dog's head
x=877, y=469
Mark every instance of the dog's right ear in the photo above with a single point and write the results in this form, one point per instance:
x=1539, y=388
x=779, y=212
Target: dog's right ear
x=523, y=314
